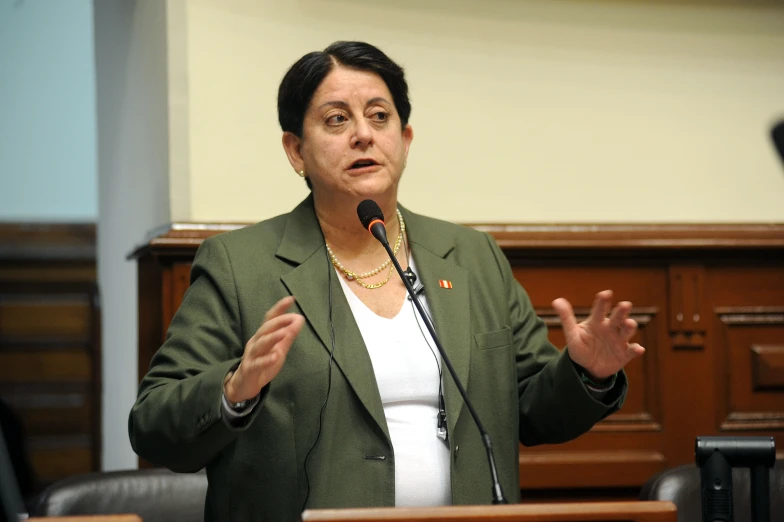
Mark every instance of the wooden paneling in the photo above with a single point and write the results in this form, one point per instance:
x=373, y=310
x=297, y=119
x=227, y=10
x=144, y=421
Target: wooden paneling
x=709, y=300
x=36, y=316
x=588, y=469
x=60, y=461
x=58, y=421
x=180, y=281
x=49, y=345
x=624, y=449
x=46, y=366
x=767, y=367
x=749, y=342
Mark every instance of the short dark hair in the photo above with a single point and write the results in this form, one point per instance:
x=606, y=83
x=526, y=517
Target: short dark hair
x=304, y=77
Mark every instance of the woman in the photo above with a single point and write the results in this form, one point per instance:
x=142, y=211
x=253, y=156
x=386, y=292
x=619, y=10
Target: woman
x=296, y=370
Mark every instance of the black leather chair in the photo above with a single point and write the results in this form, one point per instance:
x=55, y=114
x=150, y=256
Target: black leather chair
x=681, y=486
x=156, y=495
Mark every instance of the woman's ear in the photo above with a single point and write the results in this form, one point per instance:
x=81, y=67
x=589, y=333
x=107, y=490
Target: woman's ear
x=408, y=136
x=292, y=144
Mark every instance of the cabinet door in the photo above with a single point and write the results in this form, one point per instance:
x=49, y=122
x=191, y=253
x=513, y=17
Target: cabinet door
x=747, y=311
x=625, y=449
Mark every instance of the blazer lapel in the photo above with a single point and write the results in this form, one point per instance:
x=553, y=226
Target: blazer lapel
x=303, y=244
x=449, y=307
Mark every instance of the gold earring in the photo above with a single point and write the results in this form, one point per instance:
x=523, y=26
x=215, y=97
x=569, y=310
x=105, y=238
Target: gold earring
x=301, y=173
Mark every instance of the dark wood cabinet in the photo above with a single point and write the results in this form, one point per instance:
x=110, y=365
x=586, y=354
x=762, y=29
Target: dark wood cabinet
x=709, y=300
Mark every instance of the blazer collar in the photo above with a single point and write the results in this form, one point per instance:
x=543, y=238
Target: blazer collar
x=313, y=276
x=302, y=235
x=312, y=281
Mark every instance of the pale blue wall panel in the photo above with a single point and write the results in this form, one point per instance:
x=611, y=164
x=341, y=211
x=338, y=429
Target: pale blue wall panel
x=47, y=111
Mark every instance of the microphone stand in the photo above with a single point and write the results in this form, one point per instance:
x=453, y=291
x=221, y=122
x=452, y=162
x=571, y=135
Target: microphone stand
x=379, y=232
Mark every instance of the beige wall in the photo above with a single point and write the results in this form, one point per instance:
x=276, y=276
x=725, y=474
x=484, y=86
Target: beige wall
x=523, y=111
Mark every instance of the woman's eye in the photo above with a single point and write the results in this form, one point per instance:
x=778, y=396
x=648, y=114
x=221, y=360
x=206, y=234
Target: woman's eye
x=380, y=116
x=336, y=119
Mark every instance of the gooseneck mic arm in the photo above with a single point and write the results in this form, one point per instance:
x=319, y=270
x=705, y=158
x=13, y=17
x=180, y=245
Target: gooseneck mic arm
x=373, y=219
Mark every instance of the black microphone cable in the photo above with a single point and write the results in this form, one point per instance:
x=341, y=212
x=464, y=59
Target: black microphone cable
x=441, y=429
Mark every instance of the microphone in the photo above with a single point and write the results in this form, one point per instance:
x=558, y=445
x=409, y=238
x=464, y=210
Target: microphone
x=372, y=218
x=777, y=133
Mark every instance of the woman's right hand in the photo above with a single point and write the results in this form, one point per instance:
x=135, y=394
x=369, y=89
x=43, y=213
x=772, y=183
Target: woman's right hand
x=265, y=352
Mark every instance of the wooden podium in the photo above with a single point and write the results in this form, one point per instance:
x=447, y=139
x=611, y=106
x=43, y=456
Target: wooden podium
x=646, y=511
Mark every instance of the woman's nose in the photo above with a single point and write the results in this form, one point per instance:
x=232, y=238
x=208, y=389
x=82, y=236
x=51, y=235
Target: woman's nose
x=363, y=134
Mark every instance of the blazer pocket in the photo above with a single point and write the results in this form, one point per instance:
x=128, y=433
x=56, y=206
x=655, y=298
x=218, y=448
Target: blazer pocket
x=495, y=339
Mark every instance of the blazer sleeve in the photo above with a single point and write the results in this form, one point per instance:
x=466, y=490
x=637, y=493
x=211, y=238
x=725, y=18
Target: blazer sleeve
x=176, y=421
x=555, y=405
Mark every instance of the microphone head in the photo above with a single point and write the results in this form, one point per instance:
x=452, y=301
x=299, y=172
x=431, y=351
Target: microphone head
x=777, y=133
x=368, y=212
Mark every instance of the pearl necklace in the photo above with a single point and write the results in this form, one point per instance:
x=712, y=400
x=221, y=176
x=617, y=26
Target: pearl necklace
x=353, y=276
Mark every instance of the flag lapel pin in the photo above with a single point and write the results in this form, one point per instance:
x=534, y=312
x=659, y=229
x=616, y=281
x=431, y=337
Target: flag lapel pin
x=443, y=283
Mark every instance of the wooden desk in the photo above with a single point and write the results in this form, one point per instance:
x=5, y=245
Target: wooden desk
x=575, y=512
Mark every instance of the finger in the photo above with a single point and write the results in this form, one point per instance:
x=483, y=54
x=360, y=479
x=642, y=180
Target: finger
x=262, y=345
x=566, y=313
x=289, y=334
x=260, y=369
x=271, y=363
x=279, y=308
x=601, y=307
x=276, y=358
x=263, y=368
x=635, y=350
x=281, y=338
x=629, y=329
x=271, y=325
x=265, y=329
x=619, y=315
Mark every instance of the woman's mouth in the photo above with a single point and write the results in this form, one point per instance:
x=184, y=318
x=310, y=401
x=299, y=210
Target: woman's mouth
x=363, y=165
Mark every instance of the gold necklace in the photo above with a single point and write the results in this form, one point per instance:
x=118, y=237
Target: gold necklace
x=353, y=276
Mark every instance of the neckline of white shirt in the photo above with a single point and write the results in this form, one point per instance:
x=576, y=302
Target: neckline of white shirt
x=354, y=298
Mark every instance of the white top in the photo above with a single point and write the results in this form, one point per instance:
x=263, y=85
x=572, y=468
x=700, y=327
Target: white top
x=408, y=377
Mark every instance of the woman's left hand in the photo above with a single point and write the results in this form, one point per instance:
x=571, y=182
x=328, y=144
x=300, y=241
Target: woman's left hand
x=600, y=344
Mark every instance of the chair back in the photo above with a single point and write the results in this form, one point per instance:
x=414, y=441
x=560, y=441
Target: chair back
x=156, y=495
x=681, y=485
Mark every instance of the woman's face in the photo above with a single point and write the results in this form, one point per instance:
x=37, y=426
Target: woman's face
x=352, y=142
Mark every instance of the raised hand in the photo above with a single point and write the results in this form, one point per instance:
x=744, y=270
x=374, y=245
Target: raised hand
x=600, y=344
x=265, y=352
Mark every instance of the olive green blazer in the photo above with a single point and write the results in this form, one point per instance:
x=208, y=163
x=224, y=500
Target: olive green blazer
x=523, y=389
